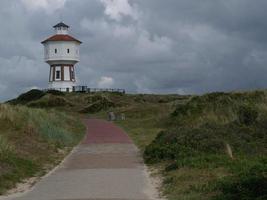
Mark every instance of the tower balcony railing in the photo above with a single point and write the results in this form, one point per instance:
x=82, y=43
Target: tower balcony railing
x=55, y=58
x=85, y=89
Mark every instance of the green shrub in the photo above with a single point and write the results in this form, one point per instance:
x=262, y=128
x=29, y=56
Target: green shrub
x=50, y=101
x=172, y=166
x=98, y=103
x=179, y=143
x=30, y=96
x=247, y=115
x=201, y=161
x=187, y=109
x=96, y=98
x=198, y=138
x=55, y=92
x=248, y=185
x=205, y=123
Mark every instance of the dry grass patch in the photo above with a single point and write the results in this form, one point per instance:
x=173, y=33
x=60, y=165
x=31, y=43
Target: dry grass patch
x=32, y=140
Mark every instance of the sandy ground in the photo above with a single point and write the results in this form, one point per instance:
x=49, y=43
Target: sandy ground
x=106, y=165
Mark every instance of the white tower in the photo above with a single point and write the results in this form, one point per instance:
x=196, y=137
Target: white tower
x=61, y=52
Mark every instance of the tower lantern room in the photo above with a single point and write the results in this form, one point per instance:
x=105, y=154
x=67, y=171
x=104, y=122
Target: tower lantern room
x=61, y=28
x=61, y=52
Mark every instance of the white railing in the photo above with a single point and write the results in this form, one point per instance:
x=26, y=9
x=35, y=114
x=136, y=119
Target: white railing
x=85, y=89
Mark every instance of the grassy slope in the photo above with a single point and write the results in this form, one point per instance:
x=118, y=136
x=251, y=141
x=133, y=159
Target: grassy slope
x=146, y=115
x=52, y=120
x=190, y=140
x=196, y=148
x=195, y=142
x=33, y=141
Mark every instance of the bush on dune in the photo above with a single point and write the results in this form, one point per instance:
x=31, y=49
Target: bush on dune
x=215, y=131
x=39, y=98
x=207, y=122
x=26, y=97
x=55, y=92
x=247, y=115
x=98, y=103
x=181, y=143
x=50, y=101
x=250, y=184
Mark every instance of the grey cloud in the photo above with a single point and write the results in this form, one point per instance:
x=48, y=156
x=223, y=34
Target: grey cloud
x=185, y=46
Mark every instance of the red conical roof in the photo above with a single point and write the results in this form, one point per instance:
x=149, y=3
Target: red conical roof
x=61, y=37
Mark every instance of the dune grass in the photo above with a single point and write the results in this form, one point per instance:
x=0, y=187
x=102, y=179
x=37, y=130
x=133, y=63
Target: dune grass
x=210, y=147
x=32, y=140
x=219, y=138
x=144, y=121
x=145, y=115
x=207, y=147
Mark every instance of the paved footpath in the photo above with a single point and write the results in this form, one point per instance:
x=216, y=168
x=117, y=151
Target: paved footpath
x=105, y=166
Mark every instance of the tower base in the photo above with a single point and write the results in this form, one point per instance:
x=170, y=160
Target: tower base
x=64, y=86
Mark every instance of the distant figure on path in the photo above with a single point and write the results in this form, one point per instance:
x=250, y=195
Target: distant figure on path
x=111, y=116
x=123, y=116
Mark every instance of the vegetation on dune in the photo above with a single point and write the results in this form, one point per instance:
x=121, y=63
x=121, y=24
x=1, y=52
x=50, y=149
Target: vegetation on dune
x=211, y=132
x=145, y=114
x=50, y=101
x=55, y=92
x=250, y=183
x=98, y=103
x=36, y=127
x=210, y=147
x=32, y=140
x=28, y=96
x=71, y=102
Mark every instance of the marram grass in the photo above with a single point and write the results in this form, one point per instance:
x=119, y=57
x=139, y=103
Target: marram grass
x=31, y=138
x=5, y=147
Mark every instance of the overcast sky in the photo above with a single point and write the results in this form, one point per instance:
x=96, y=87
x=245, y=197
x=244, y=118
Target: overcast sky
x=145, y=46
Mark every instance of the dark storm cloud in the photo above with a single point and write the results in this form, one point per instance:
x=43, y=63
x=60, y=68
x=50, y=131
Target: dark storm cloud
x=185, y=46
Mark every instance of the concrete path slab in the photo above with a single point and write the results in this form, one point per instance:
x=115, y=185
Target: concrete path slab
x=105, y=166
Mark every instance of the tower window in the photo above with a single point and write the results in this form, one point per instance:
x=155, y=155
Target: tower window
x=55, y=50
x=68, y=50
x=57, y=74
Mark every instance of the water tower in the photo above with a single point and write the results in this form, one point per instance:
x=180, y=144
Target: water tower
x=61, y=52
